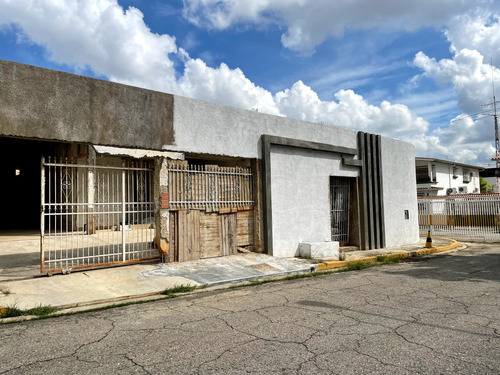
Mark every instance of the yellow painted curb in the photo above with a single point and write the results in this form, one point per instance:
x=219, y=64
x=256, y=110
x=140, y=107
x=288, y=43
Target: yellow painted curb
x=404, y=254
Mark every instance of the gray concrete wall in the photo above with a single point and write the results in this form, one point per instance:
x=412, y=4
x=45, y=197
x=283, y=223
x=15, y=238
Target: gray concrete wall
x=202, y=127
x=44, y=104
x=301, y=196
x=399, y=192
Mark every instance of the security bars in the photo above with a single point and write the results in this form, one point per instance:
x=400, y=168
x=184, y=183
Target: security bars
x=209, y=186
x=95, y=215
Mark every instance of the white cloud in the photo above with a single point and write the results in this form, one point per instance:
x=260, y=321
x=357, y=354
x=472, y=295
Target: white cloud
x=309, y=22
x=98, y=34
x=117, y=43
x=350, y=111
x=469, y=75
x=465, y=140
x=224, y=85
x=473, y=38
x=478, y=31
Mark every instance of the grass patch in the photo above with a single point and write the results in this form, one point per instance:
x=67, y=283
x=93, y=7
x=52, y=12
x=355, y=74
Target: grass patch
x=179, y=289
x=9, y=312
x=6, y=291
x=356, y=265
x=385, y=259
x=341, y=256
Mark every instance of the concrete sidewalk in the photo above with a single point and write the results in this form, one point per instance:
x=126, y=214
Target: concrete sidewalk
x=107, y=286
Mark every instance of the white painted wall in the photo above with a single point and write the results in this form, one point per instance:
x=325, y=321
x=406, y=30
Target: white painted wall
x=399, y=186
x=208, y=128
x=300, y=178
x=300, y=188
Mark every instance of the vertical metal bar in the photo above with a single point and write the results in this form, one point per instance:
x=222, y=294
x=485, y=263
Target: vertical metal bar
x=42, y=212
x=123, y=215
x=49, y=207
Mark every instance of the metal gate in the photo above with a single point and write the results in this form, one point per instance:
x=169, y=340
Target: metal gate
x=466, y=218
x=95, y=215
x=340, y=190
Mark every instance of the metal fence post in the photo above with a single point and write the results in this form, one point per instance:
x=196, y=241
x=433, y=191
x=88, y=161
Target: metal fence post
x=42, y=212
x=123, y=216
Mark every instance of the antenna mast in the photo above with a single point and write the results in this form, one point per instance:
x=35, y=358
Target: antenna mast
x=496, y=159
x=497, y=143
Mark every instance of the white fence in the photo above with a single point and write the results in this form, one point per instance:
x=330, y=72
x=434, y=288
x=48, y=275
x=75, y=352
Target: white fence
x=474, y=218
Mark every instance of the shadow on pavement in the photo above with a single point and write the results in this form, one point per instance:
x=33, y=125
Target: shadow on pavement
x=473, y=267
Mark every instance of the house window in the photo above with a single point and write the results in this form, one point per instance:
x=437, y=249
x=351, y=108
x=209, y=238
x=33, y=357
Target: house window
x=467, y=176
x=422, y=174
x=455, y=172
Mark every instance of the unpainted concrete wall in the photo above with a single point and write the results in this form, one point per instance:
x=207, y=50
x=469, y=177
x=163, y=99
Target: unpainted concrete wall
x=301, y=196
x=399, y=192
x=45, y=104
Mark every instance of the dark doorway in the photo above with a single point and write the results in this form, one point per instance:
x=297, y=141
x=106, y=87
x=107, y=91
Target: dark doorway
x=344, y=210
x=20, y=182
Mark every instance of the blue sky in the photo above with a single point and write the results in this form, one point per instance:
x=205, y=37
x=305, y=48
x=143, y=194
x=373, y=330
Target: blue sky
x=403, y=69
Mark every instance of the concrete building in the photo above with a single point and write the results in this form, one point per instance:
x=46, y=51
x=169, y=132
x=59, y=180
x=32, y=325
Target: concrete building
x=442, y=177
x=135, y=174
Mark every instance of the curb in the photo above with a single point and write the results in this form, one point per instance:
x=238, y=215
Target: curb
x=90, y=305
x=139, y=298
x=403, y=254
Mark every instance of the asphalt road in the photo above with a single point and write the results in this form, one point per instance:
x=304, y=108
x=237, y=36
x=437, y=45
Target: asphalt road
x=439, y=315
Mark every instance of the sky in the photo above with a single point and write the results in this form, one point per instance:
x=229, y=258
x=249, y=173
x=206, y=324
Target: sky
x=420, y=71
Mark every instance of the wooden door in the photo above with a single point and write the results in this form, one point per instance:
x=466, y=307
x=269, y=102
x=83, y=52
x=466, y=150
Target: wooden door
x=228, y=234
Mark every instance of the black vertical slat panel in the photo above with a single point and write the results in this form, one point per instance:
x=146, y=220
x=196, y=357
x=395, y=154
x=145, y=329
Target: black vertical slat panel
x=266, y=194
x=369, y=191
x=376, y=190
x=363, y=196
x=381, y=190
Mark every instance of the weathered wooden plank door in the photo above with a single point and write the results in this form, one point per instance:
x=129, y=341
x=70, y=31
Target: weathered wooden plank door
x=188, y=235
x=228, y=234
x=210, y=238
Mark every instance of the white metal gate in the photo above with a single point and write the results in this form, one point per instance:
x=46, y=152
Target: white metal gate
x=461, y=217
x=94, y=216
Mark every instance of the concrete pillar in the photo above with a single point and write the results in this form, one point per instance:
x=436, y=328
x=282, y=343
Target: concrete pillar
x=91, y=189
x=258, y=227
x=162, y=212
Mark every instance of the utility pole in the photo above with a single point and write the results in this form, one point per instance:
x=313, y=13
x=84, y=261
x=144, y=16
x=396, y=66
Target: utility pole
x=496, y=159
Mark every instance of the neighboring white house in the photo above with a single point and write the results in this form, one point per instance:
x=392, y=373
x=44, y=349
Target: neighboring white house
x=444, y=177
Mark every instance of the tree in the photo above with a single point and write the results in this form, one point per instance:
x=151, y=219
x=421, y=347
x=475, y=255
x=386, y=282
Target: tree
x=485, y=187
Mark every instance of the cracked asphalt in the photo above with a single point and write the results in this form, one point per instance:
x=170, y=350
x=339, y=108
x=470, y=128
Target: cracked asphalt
x=438, y=315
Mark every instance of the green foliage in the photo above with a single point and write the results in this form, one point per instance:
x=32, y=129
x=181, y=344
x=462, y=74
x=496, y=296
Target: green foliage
x=179, y=289
x=385, y=259
x=485, y=187
x=355, y=265
x=13, y=311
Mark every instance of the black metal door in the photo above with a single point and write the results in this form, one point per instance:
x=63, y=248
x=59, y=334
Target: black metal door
x=340, y=190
